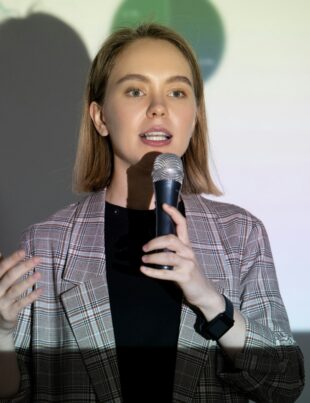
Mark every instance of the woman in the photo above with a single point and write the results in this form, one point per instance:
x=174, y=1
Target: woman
x=108, y=327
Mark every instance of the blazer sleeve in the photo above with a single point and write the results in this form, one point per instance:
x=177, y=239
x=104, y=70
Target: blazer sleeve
x=270, y=367
x=22, y=338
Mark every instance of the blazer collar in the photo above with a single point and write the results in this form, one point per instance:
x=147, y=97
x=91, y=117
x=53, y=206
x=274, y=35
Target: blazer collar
x=86, y=253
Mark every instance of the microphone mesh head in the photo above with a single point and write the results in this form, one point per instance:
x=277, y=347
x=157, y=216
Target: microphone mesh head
x=168, y=166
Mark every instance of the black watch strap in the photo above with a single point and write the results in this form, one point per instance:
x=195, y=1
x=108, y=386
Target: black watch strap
x=219, y=325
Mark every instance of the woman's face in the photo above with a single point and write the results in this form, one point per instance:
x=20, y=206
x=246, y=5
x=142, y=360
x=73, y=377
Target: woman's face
x=150, y=103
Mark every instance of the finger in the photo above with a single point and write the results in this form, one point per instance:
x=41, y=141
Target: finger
x=166, y=258
x=19, y=305
x=17, y=290
x=16, y=273
x=169, y=275
x=171, y=242
x=180, y=221
x=10, y=261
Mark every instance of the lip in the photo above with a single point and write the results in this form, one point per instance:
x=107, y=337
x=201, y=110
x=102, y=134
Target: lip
x=156, y=143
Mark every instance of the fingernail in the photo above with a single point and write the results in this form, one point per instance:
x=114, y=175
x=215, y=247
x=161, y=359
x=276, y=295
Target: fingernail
x=145, y=268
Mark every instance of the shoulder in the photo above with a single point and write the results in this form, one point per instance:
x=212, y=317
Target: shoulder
x=57, y=227
x=225, y=218
x=224, y=212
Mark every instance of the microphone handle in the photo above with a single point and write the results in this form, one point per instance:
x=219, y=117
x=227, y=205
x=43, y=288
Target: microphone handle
x=166, y=191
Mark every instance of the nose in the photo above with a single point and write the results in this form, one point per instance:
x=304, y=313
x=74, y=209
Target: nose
x=157, y=108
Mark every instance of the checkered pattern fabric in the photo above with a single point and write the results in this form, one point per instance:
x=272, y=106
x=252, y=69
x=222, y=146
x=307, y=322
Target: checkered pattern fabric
x=65, y=341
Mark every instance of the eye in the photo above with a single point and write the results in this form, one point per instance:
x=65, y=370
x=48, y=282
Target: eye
x=134, y=92
x=177, y=93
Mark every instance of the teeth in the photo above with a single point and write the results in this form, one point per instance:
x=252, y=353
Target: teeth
x=156, y=136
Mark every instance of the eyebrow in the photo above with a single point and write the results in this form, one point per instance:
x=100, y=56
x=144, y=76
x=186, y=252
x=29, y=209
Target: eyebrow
x=144, y=79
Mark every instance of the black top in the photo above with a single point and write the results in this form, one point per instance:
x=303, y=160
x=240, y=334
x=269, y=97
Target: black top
x=145, y=311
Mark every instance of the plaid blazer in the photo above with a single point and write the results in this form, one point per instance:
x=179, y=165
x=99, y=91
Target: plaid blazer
x=65, y=341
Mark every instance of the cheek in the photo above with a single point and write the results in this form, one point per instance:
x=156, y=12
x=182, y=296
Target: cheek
x=114, y=119
x=189, y=117
x=123, y=118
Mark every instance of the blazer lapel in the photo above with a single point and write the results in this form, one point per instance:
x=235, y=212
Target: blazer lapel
x=193, y=349
x=86, y=302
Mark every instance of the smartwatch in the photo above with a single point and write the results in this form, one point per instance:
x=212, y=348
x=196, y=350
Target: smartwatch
x=219, y=325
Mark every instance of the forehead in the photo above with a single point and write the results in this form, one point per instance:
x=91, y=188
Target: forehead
x=151, y=56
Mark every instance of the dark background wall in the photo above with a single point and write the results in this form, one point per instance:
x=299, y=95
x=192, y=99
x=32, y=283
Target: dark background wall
x=42, y=73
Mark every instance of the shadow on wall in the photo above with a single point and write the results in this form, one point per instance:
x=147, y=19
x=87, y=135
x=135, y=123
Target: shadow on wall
x=42, y=77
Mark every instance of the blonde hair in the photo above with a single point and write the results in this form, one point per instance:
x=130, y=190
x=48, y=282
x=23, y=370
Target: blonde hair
x=94, y=160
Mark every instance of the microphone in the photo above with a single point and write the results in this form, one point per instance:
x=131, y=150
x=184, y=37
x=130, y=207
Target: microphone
x=167, y=177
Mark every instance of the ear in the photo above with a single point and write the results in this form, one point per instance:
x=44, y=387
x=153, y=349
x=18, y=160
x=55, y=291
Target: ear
x=97, y=116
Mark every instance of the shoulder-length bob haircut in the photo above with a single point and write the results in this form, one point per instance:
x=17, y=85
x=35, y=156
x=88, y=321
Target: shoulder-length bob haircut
x=94, y=160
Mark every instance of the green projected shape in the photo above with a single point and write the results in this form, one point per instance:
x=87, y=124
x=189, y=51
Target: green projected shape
x=6, y=12
x=197, y=20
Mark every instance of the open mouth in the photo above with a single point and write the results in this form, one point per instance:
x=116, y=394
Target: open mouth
x=156, y=136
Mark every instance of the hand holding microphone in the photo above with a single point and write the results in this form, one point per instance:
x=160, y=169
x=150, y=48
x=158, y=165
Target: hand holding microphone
x=167, y=177
x=171, y=249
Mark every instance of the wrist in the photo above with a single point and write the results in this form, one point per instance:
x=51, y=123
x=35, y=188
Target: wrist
x=220, y=324
x=6, y=341
x=214, y=306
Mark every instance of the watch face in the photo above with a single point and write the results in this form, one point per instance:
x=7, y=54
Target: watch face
x=218, y=326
